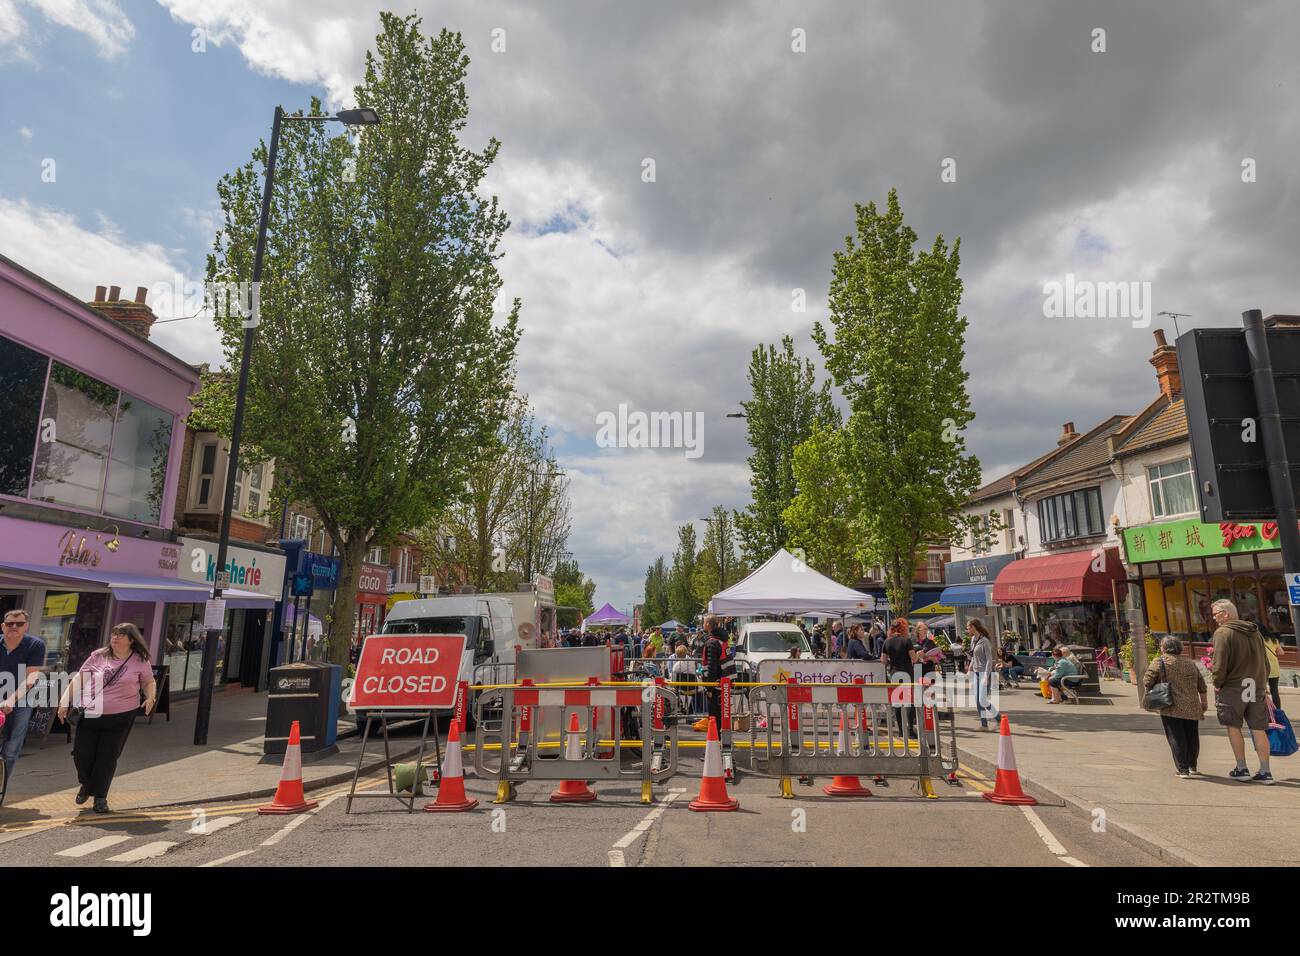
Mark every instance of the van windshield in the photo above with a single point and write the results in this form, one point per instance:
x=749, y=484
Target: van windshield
x=435, y=625
x=772, y=642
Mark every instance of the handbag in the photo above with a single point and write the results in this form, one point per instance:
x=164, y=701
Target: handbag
x=1161, y=695
x=1281, y=737
x=76, y=713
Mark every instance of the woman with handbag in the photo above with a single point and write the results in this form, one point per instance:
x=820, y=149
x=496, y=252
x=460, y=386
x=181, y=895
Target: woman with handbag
x=113, y=679
x=1175, y=689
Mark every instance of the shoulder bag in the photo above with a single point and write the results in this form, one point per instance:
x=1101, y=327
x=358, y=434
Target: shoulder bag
x=1161, y=694
x=76, y=713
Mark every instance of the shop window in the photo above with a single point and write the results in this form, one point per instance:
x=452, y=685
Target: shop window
x=137, y=469
x=1176, y=607
x=1270, y=559
x=72, y=454
x=1277, y=608
x=1071, y=515
x=1172, y=489
x=23, y=373
x=1216, y=564
x=1245, y=596
x=1198, y=606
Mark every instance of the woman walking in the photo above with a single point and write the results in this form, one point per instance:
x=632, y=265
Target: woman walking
x=114, y=678
x=1188, y=692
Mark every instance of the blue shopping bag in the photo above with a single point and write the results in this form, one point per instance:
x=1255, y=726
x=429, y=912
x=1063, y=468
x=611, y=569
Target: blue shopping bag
x=1281, y=739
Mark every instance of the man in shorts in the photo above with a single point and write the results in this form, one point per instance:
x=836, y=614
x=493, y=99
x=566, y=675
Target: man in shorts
x=1240, y=683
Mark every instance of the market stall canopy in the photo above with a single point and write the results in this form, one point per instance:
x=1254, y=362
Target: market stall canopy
x=1060, y=578
x=670, y=625
x=785, y=584
x=606, y=615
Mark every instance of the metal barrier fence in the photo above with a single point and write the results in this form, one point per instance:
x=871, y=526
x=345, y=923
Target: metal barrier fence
x=521, y=754
x=886, y=732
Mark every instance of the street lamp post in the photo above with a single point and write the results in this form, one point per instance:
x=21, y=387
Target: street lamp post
x=722, y=552
x=221, y=578
x=533, y=475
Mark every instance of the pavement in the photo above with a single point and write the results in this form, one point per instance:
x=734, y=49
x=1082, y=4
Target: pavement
x=160, y=766
x=1108, y=760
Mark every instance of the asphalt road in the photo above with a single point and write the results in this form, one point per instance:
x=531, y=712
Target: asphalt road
x=896, y=827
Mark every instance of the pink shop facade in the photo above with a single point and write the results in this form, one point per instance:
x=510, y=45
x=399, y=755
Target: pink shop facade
x=91, y=433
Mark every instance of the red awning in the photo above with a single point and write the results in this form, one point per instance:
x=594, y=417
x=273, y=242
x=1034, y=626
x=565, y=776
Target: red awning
x=1060, y=578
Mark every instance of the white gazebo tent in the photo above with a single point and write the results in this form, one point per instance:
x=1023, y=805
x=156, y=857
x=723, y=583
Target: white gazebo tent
x=786, y=585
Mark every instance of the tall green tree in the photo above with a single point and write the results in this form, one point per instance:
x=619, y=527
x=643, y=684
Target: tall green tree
x=897, y=354
x=717, y=566
x=573, y=589
x=820, y=518
x=656, y=607
x=682, y=601
x=785, y=405
x=380, y=368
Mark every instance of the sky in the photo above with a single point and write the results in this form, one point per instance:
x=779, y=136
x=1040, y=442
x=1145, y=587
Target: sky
x=1148, y=144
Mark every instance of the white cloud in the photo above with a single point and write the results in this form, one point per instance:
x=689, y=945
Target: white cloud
x=55, y=246
x=25, y=133
x=102, y=21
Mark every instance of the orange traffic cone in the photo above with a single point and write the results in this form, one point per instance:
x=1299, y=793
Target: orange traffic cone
x=573, y=791
x=845, y=786
x=289, y=797
x=451, y=789
x=713, y=788
x=1008, y=789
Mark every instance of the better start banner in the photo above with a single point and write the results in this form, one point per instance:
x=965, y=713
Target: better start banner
x=407, y=672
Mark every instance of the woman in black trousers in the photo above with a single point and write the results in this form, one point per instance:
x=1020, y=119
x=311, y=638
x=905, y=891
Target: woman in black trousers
x=108, y=687
x=1182, y=720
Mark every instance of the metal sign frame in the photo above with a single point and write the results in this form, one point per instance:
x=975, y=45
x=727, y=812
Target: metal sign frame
x=384, y=716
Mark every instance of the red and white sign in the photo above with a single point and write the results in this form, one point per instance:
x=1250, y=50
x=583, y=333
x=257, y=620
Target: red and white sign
x=407, y=672
x=372, y=584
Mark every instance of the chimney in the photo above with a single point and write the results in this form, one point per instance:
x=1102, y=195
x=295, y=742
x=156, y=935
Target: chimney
x=136, y=317
x=1068, y=434
x=1165, y=361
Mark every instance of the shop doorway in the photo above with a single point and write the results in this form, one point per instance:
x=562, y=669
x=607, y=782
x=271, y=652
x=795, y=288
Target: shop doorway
x=247, y=669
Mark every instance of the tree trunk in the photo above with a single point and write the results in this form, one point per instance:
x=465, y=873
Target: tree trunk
x=344, y=612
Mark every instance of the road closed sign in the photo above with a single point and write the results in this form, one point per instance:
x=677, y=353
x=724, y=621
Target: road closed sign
x=407, y=672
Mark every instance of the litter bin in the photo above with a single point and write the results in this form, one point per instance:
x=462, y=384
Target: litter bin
x=307, y=692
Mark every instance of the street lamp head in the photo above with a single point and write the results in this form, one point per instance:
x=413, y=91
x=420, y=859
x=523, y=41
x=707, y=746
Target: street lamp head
x=736, y=415
x=364, y=116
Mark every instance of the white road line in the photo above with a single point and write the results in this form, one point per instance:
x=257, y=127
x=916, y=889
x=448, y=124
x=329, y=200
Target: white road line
x=220, y=823
x=226, y=859
x=146, y=852
x=625, y=841
x=1052, y=842
x=94, y=846
x=298, y=821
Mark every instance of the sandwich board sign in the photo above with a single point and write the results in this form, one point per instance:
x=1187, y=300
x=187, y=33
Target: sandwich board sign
x=407, y=672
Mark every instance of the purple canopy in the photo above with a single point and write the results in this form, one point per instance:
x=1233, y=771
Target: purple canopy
x=607, y=615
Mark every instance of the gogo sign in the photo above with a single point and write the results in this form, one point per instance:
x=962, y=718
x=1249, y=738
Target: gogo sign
x=407, y=672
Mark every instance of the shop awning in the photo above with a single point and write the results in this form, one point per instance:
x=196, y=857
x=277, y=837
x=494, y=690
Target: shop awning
x=967, y=595
x=1060, y=578
x=143, y=587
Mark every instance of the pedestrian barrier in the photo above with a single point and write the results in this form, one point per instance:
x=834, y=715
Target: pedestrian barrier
x=507, y=748
x=884, y=733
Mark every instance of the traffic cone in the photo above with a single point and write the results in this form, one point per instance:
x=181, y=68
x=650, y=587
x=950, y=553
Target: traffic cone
x=573, y=791
x=451, y=789
x=845, y=786
x=289, y=797
x=1007, y=789
x=713, y=788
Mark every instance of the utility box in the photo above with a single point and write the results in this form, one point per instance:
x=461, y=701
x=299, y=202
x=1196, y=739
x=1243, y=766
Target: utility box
x=307, y=692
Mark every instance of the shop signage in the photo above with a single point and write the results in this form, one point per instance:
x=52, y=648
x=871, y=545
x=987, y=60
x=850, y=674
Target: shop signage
x=545, y=588
x=804, y=671
x=324, y=570
x=1293, y=586
x=72, y=548
x=247, y=570
x=976, y=570
x=407, y=672
x=372, y=584
x=1191, y=538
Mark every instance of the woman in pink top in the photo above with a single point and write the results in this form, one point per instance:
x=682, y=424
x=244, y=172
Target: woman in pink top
x=113, y=679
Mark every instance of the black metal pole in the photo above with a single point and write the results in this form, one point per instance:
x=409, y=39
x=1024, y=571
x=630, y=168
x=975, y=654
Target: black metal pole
x=209, y=673
x=1270, y=430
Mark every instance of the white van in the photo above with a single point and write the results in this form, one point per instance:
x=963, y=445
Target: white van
x=765, y=641
x=488, y=623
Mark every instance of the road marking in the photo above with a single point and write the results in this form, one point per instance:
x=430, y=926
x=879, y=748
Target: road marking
x=212, y=826
x=226, y=859
x=1052, y=842
x=297, y=821
x=146, y=852
x=93, y=846
x=616, y=854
